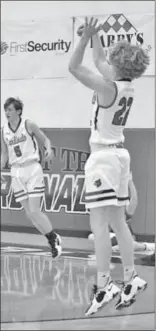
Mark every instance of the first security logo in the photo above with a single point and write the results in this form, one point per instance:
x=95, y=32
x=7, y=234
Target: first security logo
x=60, y=47
x=4, y=47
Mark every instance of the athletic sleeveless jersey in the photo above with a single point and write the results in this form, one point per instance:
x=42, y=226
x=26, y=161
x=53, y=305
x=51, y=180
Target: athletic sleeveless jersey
x=21, y=145
x=108, y=123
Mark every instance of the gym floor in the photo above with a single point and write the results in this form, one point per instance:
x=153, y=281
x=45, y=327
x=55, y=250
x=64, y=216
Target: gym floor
x=38, y=293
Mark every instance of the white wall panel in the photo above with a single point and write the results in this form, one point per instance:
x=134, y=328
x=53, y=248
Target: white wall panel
x=67, y=103
x=19, y=10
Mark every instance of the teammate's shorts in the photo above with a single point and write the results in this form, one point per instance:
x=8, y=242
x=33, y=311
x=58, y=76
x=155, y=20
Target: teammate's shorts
x=27, y=181
x=106, y=178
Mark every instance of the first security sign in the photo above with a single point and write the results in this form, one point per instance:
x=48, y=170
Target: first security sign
x=35, y=49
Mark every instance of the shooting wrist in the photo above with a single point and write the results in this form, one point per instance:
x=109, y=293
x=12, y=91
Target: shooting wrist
x=84, y=40
x=47, y=145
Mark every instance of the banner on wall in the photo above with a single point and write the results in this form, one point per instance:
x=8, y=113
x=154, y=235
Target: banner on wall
x=136, y=28
x=35, y=49
x=64, y=184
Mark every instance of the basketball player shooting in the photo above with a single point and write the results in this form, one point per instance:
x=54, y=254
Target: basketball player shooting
x=101, y=62
x=108, y=166
x=19, y=147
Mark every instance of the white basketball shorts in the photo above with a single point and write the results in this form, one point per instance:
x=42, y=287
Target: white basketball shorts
x=27, y=181
x=106, y=178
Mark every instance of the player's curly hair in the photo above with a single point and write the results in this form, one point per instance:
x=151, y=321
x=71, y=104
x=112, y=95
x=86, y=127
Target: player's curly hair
x=130, y=61
x=18, y=104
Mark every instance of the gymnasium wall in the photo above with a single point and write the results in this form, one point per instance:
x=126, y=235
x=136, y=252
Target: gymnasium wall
x=61, y=106
x=64, y=182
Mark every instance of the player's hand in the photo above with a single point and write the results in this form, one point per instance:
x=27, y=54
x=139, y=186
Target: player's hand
x=80, y=30
x=90, y=28
x=128, y=217
x=48, y=154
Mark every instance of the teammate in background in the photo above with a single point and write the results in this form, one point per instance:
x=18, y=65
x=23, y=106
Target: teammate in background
x=108, y=166
x=19, y=147
x=148, y=248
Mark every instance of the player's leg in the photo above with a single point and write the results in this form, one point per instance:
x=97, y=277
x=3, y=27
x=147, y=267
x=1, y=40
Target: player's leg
x=38, y=218
x=30, y=215
x=18, y=185
x=105, y=290
x=145, y=247
x=130, y=228
x=99, y=220
x=133, y=284
x=124, y=239
x=21, y=195
x=35, y=188
x=148, y=248
x=28, y=182
x=42, y=222
x=98, y=197
x=111, y=235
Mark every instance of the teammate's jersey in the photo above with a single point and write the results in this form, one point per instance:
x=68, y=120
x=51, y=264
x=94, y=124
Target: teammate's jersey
x=22, y=147
x=108, y=123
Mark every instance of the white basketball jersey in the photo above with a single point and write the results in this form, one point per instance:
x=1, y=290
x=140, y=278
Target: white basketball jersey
x=21, y=145
x=108, y=123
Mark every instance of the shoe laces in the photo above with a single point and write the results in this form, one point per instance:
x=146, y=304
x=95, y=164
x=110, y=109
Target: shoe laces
x=125, y=286
x=97, y=292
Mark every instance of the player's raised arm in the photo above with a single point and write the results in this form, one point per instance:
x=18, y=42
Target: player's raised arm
x=33, y=129
x=99, y=55
x=83, y=74
x=100, y=59
x=4, y=151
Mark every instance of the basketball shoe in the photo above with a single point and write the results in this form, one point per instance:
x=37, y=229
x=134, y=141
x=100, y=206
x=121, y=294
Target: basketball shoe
x=55, y=245
x=130, y=290
x=101, y=296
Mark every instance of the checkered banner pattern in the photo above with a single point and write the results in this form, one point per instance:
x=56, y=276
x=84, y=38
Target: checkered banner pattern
x=118, y=23
x=136, y=28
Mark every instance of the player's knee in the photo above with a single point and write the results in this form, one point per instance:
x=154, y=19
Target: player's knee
x=117, y=213
x=28, y=214
x=99, y=219
x=100, y=214
x=33, y=214
x=99, y=230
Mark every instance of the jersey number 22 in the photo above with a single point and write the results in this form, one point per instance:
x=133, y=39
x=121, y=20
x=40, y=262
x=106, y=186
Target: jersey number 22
x=120, y=117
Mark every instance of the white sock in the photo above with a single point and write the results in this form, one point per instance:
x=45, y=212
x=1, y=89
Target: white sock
x=129, y=272
x=102, y=278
